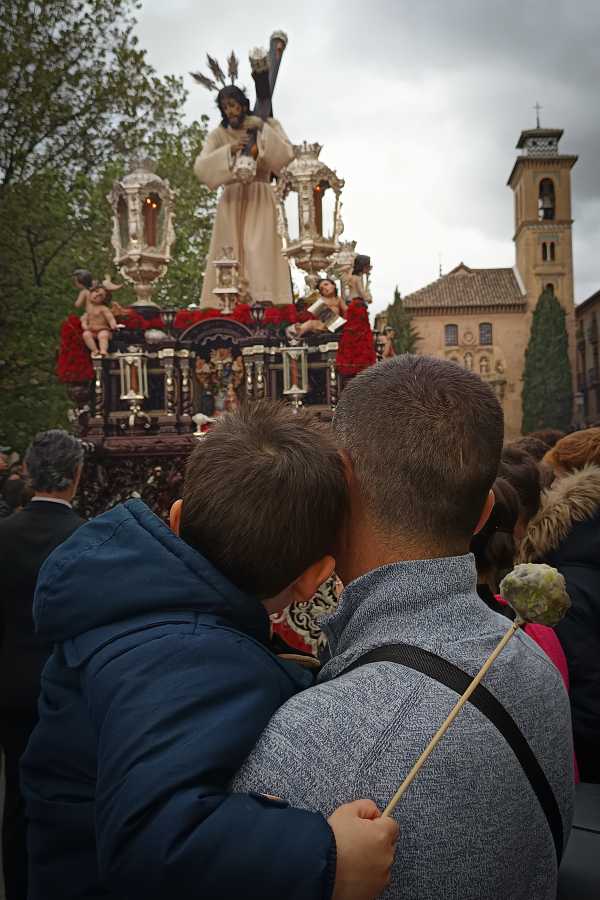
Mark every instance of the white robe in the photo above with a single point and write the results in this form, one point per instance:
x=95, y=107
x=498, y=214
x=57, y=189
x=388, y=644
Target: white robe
x=246, y=217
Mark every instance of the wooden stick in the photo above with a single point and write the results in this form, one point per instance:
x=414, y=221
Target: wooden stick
x=451, y=717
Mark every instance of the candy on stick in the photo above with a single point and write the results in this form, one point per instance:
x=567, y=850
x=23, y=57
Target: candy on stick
x=537, y=593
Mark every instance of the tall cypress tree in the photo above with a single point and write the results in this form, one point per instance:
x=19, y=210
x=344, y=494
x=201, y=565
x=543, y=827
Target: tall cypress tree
x=547, y=386
x=398, y=318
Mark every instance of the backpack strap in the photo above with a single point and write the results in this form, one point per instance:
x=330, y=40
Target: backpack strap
x=447, y=673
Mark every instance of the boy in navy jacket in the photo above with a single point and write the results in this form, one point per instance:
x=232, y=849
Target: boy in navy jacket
x=161, y=682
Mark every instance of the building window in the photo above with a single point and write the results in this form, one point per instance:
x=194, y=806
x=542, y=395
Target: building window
x=451, y=335
x=546, y=200
x=484, y=366
x=468, y=360
x=485, y=333
x=552, y=251
x=544, y=252
x=549, y=287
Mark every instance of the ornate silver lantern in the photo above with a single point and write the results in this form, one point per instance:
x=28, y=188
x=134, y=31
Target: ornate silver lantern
x=143, y=232
x=310, y=211
x=228, y=280
x=133, y=369
x=295, y=372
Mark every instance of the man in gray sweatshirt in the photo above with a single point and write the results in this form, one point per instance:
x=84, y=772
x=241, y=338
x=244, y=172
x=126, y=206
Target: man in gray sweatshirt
x=422, y=438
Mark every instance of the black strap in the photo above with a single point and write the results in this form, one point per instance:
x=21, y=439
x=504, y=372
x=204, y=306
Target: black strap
x=446, y=673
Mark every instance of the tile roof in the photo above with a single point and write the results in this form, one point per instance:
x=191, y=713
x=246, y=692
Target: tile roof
x=469, y=288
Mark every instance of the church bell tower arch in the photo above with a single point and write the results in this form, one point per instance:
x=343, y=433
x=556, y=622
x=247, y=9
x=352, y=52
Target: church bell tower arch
x=541, y=184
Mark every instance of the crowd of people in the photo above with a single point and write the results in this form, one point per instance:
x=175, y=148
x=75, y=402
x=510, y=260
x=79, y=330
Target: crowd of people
x=154, y=742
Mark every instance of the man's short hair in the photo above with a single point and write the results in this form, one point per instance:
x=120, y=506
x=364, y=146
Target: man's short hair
x=424, y=437
x=52, y=459
x=264, y=496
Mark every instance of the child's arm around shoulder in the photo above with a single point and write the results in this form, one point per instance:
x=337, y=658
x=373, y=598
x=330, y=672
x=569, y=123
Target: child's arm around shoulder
x=176, y=716
x=175, y=719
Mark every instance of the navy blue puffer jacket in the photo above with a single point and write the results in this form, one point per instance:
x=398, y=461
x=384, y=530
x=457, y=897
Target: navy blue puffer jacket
x=158, y=688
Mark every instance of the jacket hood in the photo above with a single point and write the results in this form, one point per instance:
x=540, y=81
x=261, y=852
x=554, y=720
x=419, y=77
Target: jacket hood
x=570, y=501
x=127, y=563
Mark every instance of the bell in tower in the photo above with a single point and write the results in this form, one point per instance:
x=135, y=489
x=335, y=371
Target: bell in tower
x=546, y=203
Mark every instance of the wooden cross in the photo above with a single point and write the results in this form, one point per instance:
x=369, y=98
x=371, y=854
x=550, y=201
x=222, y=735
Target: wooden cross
x=265, y=81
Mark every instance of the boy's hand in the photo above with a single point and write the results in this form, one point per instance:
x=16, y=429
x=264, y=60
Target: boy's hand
x=366, y=844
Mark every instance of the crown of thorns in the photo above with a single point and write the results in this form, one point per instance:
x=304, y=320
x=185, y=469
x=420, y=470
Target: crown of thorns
x=219, y=77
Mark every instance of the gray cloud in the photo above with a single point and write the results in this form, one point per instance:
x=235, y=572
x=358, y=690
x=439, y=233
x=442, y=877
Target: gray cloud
x=419, y=107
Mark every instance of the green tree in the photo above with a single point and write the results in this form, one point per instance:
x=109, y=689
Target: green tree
x=75, y=89
x=77, y=100
x=547, y=385
x=398, y=318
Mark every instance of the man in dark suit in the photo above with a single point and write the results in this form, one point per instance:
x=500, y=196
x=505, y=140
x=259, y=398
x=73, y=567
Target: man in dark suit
x=53, y=462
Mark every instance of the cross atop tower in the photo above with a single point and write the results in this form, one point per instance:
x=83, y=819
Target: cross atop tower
x=537, y=108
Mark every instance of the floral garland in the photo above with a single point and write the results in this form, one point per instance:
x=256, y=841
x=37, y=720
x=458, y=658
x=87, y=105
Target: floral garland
x=133, y=321
x=275, y=317
x=74, y=363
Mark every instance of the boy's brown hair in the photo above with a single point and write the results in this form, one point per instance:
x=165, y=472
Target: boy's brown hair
x=264, y=496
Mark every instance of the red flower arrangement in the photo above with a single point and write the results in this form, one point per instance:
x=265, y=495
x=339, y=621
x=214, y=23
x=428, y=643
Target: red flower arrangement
x=187, y=317
x=355, y=351
x=73, y=363
x=134, y=321
x=274, y=316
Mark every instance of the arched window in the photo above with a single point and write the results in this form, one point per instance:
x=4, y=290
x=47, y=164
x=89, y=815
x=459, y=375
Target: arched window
x=468, y=360
x=544, y=252
x=451, y=335
x=485, y=333
x=546, y=200
x=552, y=251
x=484, y=366
x=549, y=287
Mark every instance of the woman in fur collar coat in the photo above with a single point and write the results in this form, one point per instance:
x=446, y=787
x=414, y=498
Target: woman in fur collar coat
x=566, y=534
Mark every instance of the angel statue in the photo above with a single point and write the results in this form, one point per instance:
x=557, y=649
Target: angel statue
x=241, y=155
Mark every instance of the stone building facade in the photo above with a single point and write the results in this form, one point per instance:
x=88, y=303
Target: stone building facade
x=587, y=317
x=481, y=318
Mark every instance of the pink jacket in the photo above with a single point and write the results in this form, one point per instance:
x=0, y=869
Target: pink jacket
x=545, y=637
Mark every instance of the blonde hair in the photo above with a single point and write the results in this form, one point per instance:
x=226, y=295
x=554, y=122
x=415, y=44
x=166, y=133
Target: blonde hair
x=575, y=450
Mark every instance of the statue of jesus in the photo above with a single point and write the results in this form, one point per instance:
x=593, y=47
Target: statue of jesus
x=241, y=155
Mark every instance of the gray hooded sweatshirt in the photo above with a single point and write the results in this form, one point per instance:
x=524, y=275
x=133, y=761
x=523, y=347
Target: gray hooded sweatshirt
x=470, y=825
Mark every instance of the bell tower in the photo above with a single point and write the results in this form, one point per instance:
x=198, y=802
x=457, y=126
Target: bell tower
x=541, y=183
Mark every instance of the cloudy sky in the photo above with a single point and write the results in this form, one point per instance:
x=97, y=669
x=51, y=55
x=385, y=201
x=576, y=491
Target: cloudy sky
x=418, y=106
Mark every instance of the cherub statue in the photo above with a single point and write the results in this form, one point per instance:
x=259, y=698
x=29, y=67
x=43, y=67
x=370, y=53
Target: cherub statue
x=98, y=322
x=333, y=307
x=356, y=349
x=356, y=282
x=86, y=284
x=83, y=280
